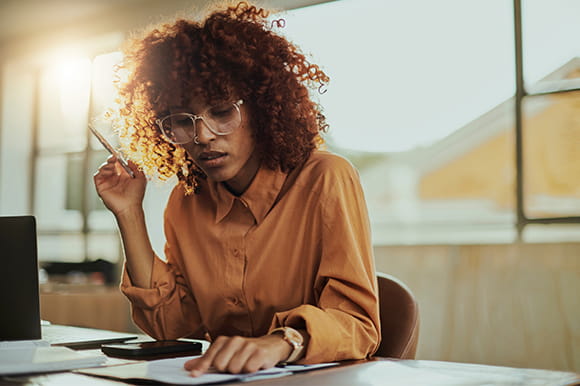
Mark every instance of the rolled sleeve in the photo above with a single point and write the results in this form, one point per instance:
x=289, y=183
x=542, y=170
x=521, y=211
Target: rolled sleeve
x=162, y=287
x=166, y=310
x=344, y=322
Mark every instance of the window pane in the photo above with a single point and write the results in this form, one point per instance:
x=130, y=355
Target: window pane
x=104, y=246
x=61, y=247
x=100, y=219
x=402, y=78
x=103, y=91
x=74, y=178
x=420, y=103
x=551, y=233
x=551, y=132
x=56, y=193
x=64, y=105
x=550, y=32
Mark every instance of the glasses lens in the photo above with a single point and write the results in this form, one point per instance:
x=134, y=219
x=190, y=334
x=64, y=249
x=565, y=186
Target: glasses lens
x=178, y=128
x=224, y=118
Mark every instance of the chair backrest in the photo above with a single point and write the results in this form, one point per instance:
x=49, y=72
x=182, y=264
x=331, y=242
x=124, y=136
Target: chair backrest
x=399, y=313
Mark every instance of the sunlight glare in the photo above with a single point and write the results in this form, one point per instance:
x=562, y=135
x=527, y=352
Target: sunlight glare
x=73, y=77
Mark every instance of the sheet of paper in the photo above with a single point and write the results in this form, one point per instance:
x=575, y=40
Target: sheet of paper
x=23, y=343
x=397, y=373
x=172, y=371
x=27, y=360
x=496, y=375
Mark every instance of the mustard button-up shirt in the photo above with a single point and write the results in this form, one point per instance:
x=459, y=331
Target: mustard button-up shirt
x=293, y=250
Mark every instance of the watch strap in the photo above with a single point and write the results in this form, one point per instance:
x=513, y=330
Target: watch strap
x=294, y=338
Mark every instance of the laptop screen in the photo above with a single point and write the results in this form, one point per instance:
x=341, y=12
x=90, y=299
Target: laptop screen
x=19, y=299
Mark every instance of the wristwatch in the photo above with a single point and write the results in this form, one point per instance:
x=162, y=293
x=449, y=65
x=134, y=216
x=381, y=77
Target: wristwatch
x=294, y=338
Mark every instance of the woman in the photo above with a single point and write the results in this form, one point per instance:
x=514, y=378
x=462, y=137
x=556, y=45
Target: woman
x=268, y=243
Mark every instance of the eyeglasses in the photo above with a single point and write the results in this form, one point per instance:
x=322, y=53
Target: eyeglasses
x=221, y=119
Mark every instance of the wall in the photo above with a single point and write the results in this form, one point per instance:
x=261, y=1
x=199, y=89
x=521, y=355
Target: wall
x=87, y=306
x=512, y=305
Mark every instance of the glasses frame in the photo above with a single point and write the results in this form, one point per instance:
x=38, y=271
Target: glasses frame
x=194, y=118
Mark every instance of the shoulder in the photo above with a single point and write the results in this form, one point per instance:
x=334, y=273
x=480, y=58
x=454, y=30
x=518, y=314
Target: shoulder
x=177, y=194
x=328, y=174
x=180, y=204
x=174, y=200
x=177, y=200
x=325, y=165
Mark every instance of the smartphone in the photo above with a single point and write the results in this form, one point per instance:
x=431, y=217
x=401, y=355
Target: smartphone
x=151, y=349
x=111, y=150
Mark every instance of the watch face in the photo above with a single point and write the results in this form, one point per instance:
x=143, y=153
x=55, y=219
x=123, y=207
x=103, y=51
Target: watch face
x=293, y=336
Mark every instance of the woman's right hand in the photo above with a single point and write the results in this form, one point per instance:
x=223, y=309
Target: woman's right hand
x=118, y=190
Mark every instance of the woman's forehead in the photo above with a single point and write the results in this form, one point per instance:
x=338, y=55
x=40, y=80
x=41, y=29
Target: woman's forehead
x=198, y=104
x=199, y=93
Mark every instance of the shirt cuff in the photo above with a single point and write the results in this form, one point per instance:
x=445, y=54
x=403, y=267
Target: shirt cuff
x=162, y=286
x=320, y=328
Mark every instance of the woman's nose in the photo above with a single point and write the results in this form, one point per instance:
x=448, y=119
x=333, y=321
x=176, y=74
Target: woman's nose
x=202, y=132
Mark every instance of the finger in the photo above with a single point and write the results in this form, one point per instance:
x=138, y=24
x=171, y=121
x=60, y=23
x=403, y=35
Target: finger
x=200, y=365
x=136, y=171
x=132, y=165
x=259, y=359
x=230, y=349
x=194, y=365
x=118, y=168
x=106, y=167
x=104, y=174
x=238, y=362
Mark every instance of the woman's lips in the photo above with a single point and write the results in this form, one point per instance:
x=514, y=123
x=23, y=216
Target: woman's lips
x=211, y=159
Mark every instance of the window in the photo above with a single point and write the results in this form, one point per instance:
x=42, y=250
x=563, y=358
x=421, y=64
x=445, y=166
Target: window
x=425, y=99
x=547, y=120
x=73, y=224
x=422, y=101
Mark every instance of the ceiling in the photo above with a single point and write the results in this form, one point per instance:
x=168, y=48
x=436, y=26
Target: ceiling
x=26, y=19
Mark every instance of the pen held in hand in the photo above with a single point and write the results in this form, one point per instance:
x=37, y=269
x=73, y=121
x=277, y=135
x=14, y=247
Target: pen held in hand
x=112, y=150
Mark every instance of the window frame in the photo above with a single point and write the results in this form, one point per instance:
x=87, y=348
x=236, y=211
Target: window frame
x=565, y=86
x=86, y=153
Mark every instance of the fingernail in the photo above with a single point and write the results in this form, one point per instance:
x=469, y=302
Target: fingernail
x=195, y=373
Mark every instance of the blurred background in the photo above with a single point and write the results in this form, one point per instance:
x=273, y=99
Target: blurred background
x=472, y=183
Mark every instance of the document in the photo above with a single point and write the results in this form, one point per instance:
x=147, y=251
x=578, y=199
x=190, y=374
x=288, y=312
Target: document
x=30, y=358
x=23, y=343
x=172, y=371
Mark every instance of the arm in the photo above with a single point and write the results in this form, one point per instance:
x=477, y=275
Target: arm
x=162, y=304
x=123, y=196
x=344, y=322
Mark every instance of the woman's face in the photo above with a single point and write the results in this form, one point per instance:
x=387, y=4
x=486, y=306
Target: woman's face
x=231, y=158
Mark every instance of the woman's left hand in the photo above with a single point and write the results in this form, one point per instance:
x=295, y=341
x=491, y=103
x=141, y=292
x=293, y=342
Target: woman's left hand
x=236, y=354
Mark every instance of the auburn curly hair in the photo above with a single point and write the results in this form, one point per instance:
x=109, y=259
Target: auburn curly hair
x=232, y=51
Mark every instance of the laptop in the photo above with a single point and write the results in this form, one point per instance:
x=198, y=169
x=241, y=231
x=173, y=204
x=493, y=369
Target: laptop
x=19, y=294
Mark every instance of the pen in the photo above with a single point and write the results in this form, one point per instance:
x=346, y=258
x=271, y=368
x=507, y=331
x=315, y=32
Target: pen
x=111, y=150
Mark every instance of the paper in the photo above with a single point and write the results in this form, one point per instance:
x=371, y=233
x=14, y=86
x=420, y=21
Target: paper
x=33, y=359
x=172, y=371
x=397, y=373
x=495, y=375
x=24, y=343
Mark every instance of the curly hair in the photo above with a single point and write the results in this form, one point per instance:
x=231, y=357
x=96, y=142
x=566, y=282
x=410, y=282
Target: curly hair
x=233, y=52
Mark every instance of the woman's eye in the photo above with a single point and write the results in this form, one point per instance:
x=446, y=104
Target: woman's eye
x=177, y=121
x=181, y=121
x=221, y=111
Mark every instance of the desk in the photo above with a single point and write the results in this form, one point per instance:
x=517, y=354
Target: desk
x=377, y=372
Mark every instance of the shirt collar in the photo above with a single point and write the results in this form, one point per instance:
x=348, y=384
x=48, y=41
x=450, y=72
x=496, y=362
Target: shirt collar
x=258, y=198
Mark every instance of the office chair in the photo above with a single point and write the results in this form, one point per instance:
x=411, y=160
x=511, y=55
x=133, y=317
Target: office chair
x=399, y=313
